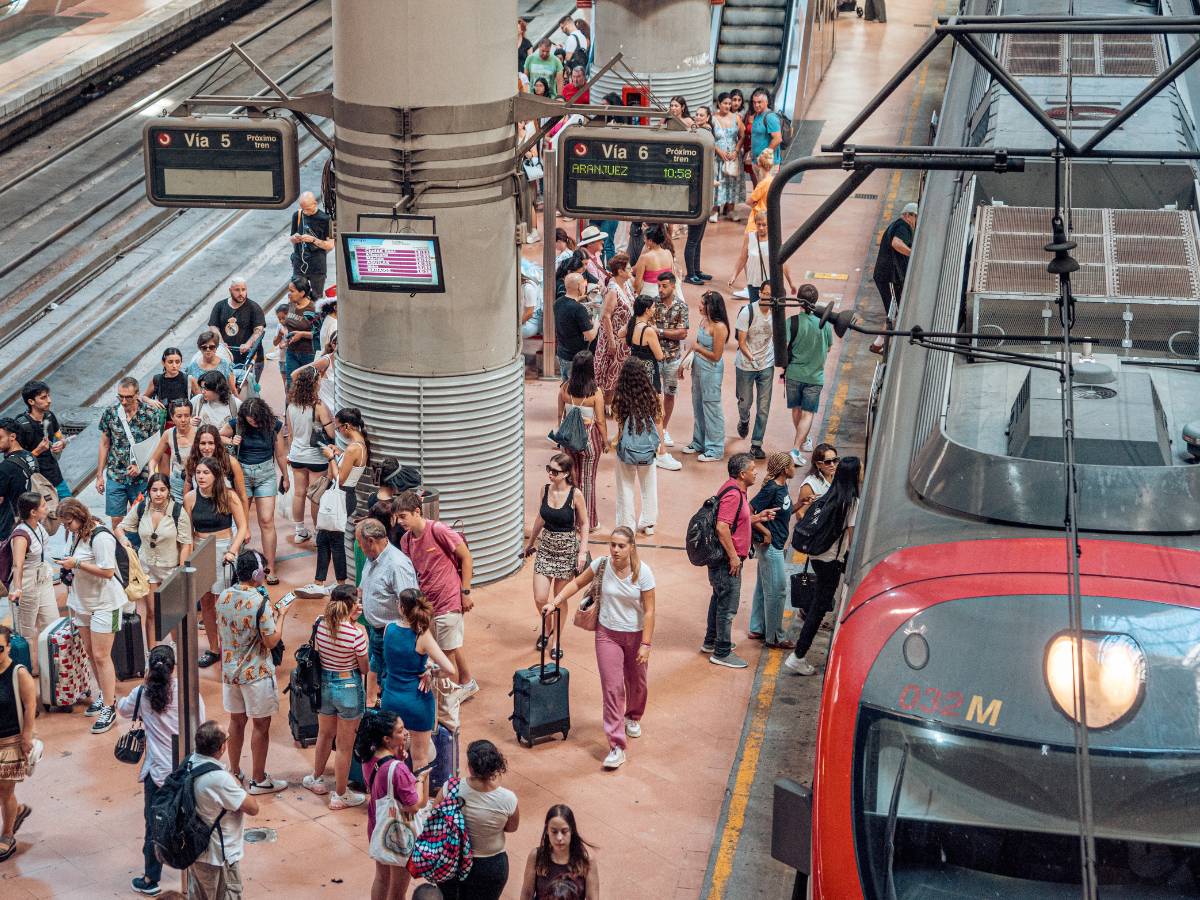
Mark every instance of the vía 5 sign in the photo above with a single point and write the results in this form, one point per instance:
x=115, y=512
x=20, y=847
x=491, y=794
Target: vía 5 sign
x=932, y=701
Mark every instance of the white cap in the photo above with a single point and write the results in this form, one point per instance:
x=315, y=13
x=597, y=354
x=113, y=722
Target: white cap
x=910, y=209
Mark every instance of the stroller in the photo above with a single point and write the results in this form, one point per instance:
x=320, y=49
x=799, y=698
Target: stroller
x=243, y=375
x=850, y=6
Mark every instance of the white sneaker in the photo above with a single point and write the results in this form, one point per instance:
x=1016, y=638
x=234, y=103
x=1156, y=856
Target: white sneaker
x=312, y=591
x=667, y=442
x=690, y=449
x=316, y=785
x=649, y=530
x=808, y=445
x=713, y=217
x=302, y=534
x=268, y=785
x=346, y=800
x=799, y=665
x=633, y=729
x=615, y=758
x=533, y=237
x=798, y=459
x=668, y=462
x=704, y=457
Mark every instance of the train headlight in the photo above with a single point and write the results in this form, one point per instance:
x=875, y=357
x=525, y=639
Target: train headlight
x=1114, y=676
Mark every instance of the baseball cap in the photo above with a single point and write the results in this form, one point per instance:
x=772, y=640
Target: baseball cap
x=910, y=209
x=8, y=423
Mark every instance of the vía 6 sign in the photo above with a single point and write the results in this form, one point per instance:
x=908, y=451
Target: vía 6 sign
x=636, y=174
x=224, y=162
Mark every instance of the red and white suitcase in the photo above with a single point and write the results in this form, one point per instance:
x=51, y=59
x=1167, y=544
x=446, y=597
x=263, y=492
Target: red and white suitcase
x=65, y=678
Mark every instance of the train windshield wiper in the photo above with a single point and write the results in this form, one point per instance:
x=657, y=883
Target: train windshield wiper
x=893, y=809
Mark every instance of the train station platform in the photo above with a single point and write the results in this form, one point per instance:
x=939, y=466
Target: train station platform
x=49, y=50
x=689, y=814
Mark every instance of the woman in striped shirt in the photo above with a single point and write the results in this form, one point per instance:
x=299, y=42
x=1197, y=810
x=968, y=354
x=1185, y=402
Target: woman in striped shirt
x=342, y=645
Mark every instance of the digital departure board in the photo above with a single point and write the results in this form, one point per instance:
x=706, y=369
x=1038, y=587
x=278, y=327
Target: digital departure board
x=221, y=161
x=635, y=173
x=406, y=263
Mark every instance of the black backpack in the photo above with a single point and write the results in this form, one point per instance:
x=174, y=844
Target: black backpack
x=179, y=835
x=821, y=525
x=176, y=511
x=122, y=554
x=307, y=676
x=702, y=544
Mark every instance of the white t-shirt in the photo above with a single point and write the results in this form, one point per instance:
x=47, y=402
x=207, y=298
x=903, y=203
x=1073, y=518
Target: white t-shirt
x=759, y=338
x=486, y=813
x=532, y=294
x=575, y=41
x=816, y=483
x=839, y=547
x=216, y=414
x=218, y=791
x=300, y=426
x=758, y=265
x=91, y=593
x=328, y=330
x=621, y=599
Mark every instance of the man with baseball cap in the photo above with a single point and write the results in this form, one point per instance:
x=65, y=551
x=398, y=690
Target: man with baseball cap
x=891, y=265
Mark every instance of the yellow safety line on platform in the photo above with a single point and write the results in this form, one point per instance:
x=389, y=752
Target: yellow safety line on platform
x=752, y=749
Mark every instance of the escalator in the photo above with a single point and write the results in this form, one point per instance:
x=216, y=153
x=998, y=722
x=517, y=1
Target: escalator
x=751, y=47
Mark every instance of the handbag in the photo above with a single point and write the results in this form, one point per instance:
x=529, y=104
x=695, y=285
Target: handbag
x=394, y=836
x=587, y=616
x=317, y=487
x=533, y=169
x=132, y=744
x=331, y=509
x=804, y=587
x=35, y=752
x=731, y=167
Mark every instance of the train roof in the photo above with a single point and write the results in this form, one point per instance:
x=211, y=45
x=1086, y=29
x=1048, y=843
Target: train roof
x=961, y=439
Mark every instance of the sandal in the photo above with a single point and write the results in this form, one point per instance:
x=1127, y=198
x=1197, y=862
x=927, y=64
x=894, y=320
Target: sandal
x=542, y=642
x=272, y=579
x=22, y=815
x=9, y=847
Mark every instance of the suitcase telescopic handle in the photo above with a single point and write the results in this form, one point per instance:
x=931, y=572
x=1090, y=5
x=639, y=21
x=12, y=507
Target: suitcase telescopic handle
x=556, y=674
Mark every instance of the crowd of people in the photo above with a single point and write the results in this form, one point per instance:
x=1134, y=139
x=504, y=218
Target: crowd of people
x=199, y=453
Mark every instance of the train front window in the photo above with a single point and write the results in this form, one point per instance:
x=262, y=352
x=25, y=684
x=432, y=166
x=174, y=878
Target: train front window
x=940, y=813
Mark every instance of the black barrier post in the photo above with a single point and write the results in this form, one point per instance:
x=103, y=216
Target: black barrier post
x=176, y=612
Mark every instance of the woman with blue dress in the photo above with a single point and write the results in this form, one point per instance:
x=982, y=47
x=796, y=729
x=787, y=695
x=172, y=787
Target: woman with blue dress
x=731, y=182
x=708, y=368
x=408, y=688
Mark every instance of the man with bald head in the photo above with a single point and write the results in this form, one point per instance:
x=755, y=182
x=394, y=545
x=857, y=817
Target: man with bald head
x=240, y=323
x=573, y=326
x=310, y=242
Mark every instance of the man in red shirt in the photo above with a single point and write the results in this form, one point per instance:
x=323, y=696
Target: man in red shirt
x=574, y=91
x=444, y=569
x=734, y=521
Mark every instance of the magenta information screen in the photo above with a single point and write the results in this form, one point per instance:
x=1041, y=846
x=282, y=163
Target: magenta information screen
x=390, y=262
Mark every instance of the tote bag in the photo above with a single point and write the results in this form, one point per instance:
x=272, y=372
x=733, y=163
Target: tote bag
x=394, y=836
x=331, y=511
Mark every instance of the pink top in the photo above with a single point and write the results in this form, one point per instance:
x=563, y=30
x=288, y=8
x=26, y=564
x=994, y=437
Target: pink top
x=432, y=555
x=650, y=276
x=404, y=785
x=728, y=511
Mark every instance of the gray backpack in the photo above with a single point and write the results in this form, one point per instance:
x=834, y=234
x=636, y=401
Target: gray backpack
x=637, y=448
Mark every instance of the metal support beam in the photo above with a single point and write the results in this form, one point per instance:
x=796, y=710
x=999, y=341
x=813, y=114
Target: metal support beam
x=309, y=125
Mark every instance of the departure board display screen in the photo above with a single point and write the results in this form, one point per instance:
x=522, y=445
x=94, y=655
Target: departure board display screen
x=221, y=161
x=635, y=173
x=404, y=263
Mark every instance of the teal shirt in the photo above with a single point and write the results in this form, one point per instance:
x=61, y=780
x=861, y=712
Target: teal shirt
x=808, y=345
x=536, y=67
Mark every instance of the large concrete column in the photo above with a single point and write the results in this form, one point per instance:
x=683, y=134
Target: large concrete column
x=665, y=42
x=439, y=377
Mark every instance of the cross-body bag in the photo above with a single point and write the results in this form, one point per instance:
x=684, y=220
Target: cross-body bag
x=587, y=616
x=35, y=754
x=132, y=744
x=762, y=269
x=141, y=452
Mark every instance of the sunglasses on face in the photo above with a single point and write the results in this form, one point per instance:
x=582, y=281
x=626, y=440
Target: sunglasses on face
x=829, y=461
x=209, y=347
x=553, y=471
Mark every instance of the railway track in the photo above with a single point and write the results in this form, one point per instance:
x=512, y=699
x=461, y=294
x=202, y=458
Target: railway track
x=94, y=269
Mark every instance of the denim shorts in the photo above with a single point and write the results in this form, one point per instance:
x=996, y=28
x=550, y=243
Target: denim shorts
x=261, y=480
x=805, y=396
x=342, y=696
x=118, y=496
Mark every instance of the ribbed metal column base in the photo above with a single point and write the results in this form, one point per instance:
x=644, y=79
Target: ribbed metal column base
x=467, y=435
x=694, y=84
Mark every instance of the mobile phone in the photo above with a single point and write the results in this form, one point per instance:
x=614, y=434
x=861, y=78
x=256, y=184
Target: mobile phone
x=285, y=601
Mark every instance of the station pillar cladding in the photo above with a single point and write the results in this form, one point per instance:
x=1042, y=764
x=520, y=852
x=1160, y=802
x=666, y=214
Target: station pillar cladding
x=439, y=378
x=667, y=43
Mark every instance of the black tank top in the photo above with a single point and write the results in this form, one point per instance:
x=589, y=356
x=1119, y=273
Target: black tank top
x=168, y=389
x=641, y=351
x=8, y=702
x=558, y=518
x=206, y=519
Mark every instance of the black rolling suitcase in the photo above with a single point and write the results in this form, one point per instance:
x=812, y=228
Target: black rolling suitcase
x=129, y=649
x=302, y=718
x=541, y=696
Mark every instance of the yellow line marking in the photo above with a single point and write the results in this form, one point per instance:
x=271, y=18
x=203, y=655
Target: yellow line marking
x=752, y=750
x=828, y=276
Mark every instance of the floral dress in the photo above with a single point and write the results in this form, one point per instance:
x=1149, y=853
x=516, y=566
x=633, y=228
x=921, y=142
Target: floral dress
x=611, y=352
x=730, y=188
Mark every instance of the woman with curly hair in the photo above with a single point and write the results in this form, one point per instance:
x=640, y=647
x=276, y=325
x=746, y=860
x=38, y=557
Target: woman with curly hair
x=207, y=444
x=261, y=451
x=611, y=349
x=310, y=428
x=636, y=409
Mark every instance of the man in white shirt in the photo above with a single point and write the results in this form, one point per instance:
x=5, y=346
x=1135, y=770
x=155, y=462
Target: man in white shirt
x=754, y=367
x=215, y=875
x=385, y=574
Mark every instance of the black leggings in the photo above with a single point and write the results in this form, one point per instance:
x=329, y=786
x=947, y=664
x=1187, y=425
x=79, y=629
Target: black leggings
x=829, y=576
x=331, y=545
x=489, y=875
x=691, y=250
